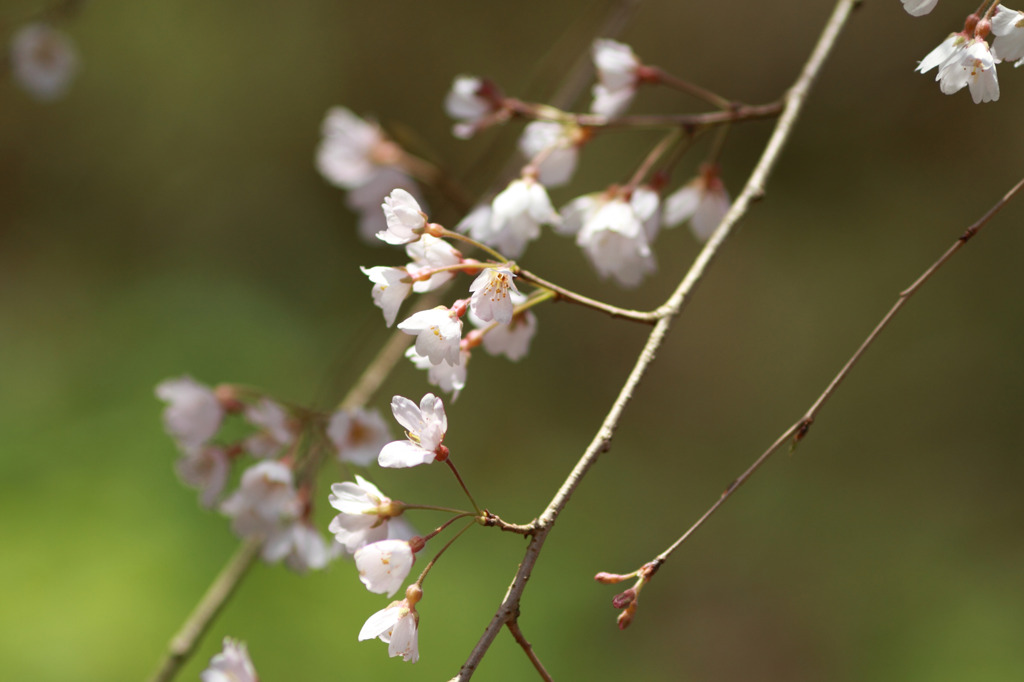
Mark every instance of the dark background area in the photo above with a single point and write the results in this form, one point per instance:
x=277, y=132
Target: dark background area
x=166, y=218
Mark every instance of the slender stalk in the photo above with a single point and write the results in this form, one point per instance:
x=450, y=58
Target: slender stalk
x=754, y=189
x=566, y=295
x=799, y=430
x=665, y=78
x=455, y=471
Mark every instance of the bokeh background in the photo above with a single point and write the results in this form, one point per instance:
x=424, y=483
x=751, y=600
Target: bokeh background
x=165, y=217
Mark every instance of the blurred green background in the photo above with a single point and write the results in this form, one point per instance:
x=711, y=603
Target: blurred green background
x=166, y=218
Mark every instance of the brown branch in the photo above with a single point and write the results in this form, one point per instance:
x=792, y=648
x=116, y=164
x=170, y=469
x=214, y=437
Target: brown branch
x=517, y=634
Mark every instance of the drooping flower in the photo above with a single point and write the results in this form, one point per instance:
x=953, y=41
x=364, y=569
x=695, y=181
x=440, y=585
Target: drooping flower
x=391, y=286
x=613, y=238
x=973, y=66
x=43, y=60
x=276, y=429
x=449, y=378
x=406, y=220
x=1008, y=27
x=703, y=201
x=366, y=200
x=265, y=500
x=516, y=216
x=205, y=468
x=383, y=566
x=562, y=154
x=425, y=428
x=300, y=546
x=193, y=414
x=431, y=253
x=617, y=77
x=917, y=8
x=358, y=435
x=513, y=339
x=365, y=513
x=232, y=664
x=470, y=101
x=396, y=625
x=352, y=150
x=438, y=332
x=492, y=294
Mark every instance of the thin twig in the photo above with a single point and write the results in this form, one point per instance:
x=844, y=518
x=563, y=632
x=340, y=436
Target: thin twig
x=566, y=295
x=799, y=430
x=517, y=634
x=754, y=189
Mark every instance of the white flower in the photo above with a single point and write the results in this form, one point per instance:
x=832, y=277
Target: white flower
x=301, y=547
x=406, y=220
x=205, y=468
x=617, y=77
x=1008, y=26
x=614, y=240
x=425, y=428
x=365, y=513
x=193, y=415
x=449, y=378
x=276, y=430
x=516, y=216
x=430, y=253
x=559, y=164
x=469, y=101
x=358, y=435
x=366, y=200
x=972, y=65
x=703, y=201
x=949, y=49
x=513, y=339
x=491, y=299
x=917, y=8
x=438, y=332
x=353, y=150
x=477, y=223
x=232, y=664
x=265, y=499
x=383, y=566
x=43, y=60
x=396, y=625
x=391, y=286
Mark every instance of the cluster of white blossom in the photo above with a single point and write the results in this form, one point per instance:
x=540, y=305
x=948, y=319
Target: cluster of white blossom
x=43, y=60
x=232, y=664
x=965, y=59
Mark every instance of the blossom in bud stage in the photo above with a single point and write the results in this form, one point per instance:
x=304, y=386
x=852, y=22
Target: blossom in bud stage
x=917, y=8
x=366, y=200
x=516, y=216
x=396, y=625
x=556, y=139
x=613, y=238
x=205, y=468
x=43, y=60
x=491, y=299
x=232, y=664
x=193, y=414
x=449, y=378
x=353, y=150
x=391, y=286
x=425, y=428
x=430, y=253
x=358, y=435
x=265, y=499
x=276, y=430
x=1008, y=27
x=406, y=220
x=438, y=332
x=469, y=101
x=365, y=514
x=617, y=77
x=300, y=546
x=383, y=566
x=703, y=201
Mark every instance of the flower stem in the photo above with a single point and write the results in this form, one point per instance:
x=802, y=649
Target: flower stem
x=469, y=240
x=426, y=569
x=455, y=471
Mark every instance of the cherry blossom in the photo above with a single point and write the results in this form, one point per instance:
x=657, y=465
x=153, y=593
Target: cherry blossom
x=430, y=253
x=513, y=339
x=1008, y=27
x=469, y=101
x=558, y=165
x=449, y=378
x=391, y=286
x=973, y=66
x=396, y=625
x=300, y=546
x=265, y=499
x=516, y=216
x=917, y=8
x=617, y=77
x=205, y=468
x=491, y=299
x=613, y=237
x=353, y=150
x=438, y=332
x=365, y=513
x=366, y=200
x=276, y=429
x=703, y=201
x=383, y=566
x=358, y=435
x=405, y=219
x=232, y=664
x=43, y=60
x=425, y=428
x=193, y=415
